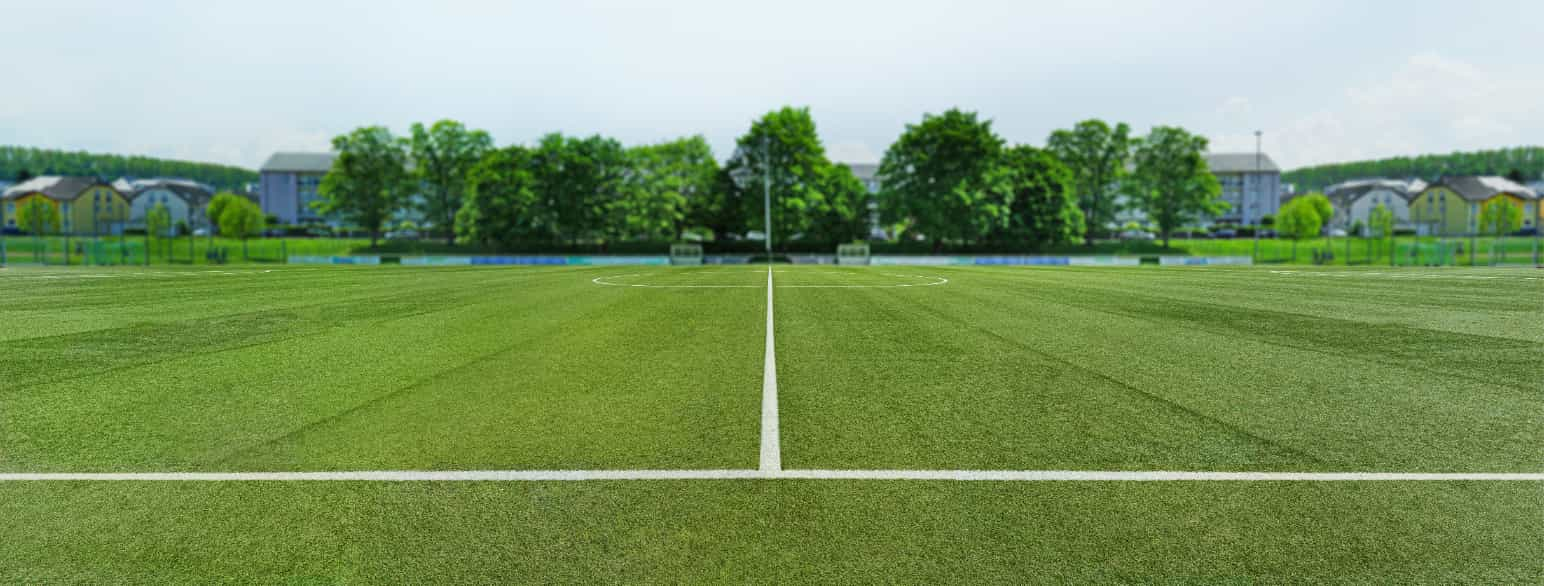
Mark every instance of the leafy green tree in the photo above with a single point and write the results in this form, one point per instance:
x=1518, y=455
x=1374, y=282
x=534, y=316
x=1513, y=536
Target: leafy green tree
x=443, y=156
x=1037, y=190
x=1500, y=218
x=578, y=181
x=218, y=204
x=242, y=220
x=666, y=181
x=368, y=179
x=502, y=207
x=1320, y=204
x=38, y=217
x=1171, y=182
x=22, y=163
x=783, y=148
x=843, y=212
x=158, y=221
x=1298, y=219
x=1096, y=154
x=1380, y=221
x=1524, y=162
x=935, y=177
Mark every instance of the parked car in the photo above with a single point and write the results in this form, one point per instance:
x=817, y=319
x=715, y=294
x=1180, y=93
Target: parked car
x=1225, y=233
x=1337, y=232
x=1136, y=235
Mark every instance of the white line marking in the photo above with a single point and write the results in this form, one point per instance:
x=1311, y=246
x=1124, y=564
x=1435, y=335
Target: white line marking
x=771, y=442
x=950, y=475
x=606, y=280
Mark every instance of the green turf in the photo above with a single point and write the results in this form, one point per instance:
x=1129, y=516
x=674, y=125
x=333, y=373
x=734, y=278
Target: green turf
x=373, y=368
x=1220, y=369
x=324, y=368
x=770, y=532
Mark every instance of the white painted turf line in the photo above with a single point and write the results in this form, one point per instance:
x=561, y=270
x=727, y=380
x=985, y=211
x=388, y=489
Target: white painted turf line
x=771, y=442
x=946, y=475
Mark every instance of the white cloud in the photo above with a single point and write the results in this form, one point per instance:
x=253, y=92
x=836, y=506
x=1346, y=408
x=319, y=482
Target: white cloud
x=1429, y=104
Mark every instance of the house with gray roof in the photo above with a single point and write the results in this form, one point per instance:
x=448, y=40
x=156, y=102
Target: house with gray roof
x=1355, y=200
x=288, y=183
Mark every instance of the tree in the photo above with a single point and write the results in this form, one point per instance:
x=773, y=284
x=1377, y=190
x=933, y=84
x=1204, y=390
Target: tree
x=443, y=155
x=1320, y=205
x=501, y=207
x=218, y=204
x=38, y=217
x=368, y=179
x=242, y=219
x=1171, y=181
x=578, y=181
x=1380, y=221
x=1096, y=154
x=1499, y=219
x=1037, y=190
x=158, y=221
x=935, y=177
x=782, y=151
x=1298, y=220
x=843, y=212
x=666, y=182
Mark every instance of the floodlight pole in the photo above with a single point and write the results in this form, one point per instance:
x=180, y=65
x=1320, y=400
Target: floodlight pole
x=766, y=191
x=1259, y=184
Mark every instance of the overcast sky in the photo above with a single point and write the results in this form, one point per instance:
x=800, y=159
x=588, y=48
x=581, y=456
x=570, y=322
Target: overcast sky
x=232, y=82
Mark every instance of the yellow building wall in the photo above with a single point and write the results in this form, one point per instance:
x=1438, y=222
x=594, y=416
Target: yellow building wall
x=1440, y=210
x=1525, y=207
x=98, y=210
x=12, y=207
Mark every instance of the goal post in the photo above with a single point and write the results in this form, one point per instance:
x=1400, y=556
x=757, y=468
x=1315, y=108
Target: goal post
x=686, y=254
x=852, y=254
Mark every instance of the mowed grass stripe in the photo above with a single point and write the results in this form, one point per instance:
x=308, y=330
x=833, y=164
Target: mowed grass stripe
x=197, y=410
x=34, y=308
x=940, y=384
x=1435, y=351
x=65, y=357
x=782, y=532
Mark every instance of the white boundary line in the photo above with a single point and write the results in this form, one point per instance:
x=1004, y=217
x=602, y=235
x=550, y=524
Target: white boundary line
x=947, y=475
x=771, y=441
x=606, y=280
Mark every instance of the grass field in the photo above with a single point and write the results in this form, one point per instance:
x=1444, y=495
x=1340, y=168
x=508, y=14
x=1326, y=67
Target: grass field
x=274, y=369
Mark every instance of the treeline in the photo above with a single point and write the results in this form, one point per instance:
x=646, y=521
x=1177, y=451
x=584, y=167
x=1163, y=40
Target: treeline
x=949, y=179
x=20, y=163
x=1520, y=163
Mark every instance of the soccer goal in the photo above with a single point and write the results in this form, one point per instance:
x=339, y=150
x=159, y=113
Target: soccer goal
x=686, y=254
x=852, y=254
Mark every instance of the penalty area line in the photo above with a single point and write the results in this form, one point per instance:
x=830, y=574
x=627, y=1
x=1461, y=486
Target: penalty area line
x=919, y=475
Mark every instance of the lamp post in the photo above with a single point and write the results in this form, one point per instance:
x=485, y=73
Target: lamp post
x=1259, y=180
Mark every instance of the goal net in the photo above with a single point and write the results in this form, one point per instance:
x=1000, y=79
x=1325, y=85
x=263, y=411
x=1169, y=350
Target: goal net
x=852, y=254
x=686, y=254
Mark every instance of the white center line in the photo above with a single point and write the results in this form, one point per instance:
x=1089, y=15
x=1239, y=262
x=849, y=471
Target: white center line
x=771, y=444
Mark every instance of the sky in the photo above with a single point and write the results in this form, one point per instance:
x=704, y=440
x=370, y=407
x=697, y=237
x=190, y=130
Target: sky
x=232, y=82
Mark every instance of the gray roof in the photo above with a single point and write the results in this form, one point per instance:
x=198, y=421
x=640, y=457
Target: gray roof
x=54, y=187
x=1350, y=191
x=293, y=162
x=1240, y=163
x=1481, y=188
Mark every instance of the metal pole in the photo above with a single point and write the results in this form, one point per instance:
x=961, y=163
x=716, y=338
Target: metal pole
x=766, y=190
x=1260, y=178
